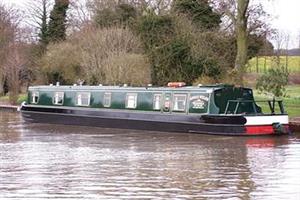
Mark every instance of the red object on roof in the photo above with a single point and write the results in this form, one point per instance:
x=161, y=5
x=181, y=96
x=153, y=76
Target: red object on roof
x=176, y=84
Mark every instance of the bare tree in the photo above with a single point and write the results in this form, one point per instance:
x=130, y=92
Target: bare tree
x=242, y=17
x=158, y=6
x=281, y=40
x=14, y=64
x=287, y=44
x=7, y=35
x=37, y=13
x=12, y=59
x=109, y=55
x=79, y=15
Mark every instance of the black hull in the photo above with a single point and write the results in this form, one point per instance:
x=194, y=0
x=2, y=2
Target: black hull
x=129, y=120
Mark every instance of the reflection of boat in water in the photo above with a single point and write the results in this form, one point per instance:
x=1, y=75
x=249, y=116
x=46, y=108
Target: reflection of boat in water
x=217, y=109
x=266, y=142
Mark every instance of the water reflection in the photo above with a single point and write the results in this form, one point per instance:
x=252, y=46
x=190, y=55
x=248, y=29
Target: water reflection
x=67, y=162
x=10, y=126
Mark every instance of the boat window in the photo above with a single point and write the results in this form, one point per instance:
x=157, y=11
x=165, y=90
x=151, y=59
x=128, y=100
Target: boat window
x=83, y=99
x=107, y=99
x=34, y=97
x=58, y=98
x=156, y=101
x=131, y=99
x=179, y=102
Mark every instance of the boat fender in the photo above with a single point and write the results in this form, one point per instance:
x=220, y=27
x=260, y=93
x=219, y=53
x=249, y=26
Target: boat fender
x=22, y=105
x=279, y=128
x=167, y=106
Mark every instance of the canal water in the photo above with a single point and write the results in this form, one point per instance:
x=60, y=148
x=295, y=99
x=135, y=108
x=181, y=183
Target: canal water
x=68, y=162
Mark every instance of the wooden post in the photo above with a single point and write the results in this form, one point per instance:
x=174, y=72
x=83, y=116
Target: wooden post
x=256, y=64
x=265, y=64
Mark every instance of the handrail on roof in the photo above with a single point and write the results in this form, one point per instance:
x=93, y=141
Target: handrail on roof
x=271, y=103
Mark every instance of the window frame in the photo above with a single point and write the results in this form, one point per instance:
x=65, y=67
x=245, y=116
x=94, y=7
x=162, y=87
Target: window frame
x=35, y=94
x=154, y=101
x=89, y=99
x=62, y=98
x=174, y=102
x=107, y=94
x=127, y=100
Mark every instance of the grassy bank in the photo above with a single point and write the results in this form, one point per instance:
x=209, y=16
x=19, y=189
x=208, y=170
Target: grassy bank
x=291, y=101
x=5, y=99
x=262, y=64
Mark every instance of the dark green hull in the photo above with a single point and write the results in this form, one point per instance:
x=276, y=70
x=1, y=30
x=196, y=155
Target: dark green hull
x=125, y=120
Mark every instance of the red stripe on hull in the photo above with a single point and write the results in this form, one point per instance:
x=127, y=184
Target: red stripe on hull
x=260, y=130
x=263, y=130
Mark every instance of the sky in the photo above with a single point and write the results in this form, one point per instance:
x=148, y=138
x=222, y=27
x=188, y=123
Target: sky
x=285, y=16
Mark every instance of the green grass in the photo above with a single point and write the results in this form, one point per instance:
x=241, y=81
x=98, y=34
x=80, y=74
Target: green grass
x=291, y=101
x=264, y=63
x=21, y=98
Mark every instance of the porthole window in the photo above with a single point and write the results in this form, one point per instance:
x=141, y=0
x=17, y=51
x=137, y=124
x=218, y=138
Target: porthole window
x=131, y=100
x=179, y=102
x=83, y=99
x=34, y=97
x=107, y=99
x=157, y=101
x=58, y=98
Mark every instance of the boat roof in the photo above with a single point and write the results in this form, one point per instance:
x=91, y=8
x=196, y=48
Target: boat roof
x=205, y=88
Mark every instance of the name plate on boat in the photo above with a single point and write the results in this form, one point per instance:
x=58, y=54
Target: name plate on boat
x=199, y=102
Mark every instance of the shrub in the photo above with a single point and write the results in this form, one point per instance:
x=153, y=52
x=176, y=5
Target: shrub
x=274, y=82
x=107, y=56
x=60, y=64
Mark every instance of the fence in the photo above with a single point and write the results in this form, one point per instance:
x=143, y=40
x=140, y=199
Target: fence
x=263, y=63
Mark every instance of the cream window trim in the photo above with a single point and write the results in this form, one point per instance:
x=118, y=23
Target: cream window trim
x=58, y=98
x=35, y=97
x=179, y=102
x=157, y=98
x=107, y=100
x=83, y=99
x=131, y=100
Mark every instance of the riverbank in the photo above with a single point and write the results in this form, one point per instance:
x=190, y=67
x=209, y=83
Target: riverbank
x=295, y=124
x=9, y=108
x=291, y=101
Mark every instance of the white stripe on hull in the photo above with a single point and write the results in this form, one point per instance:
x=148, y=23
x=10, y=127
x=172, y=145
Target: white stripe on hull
x=267, y=120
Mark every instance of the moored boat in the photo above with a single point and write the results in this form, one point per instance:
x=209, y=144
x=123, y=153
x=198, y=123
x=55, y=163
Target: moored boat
x=216, y=109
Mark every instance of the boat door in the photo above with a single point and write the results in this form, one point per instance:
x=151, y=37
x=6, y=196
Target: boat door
x=167, y=102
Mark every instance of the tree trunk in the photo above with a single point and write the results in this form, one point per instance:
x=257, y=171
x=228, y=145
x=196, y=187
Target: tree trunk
x=1, y=87
x=241, y=39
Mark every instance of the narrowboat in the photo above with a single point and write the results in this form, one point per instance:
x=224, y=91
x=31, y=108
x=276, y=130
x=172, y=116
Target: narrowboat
x=212, y=109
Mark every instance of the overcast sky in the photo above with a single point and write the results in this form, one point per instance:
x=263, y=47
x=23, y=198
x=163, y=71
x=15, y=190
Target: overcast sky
x=285, y=13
